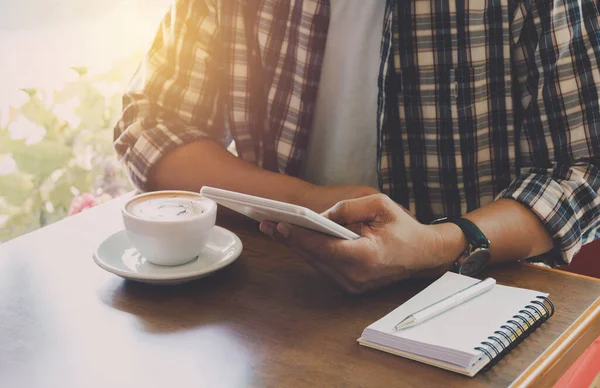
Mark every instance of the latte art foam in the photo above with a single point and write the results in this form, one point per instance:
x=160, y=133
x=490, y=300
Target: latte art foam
x=165, y=208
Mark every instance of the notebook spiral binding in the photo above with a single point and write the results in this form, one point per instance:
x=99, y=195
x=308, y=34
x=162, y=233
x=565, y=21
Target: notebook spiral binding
x=516, y=330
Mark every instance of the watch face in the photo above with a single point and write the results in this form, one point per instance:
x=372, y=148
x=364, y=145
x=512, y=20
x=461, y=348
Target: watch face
x=475, y=263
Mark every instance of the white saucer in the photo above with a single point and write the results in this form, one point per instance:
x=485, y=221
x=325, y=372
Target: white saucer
x=118, y=256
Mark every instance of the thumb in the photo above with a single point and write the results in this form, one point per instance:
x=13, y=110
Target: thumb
x=377, y=207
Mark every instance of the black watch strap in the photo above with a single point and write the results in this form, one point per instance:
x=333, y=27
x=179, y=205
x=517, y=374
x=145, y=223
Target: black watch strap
x=474, y=235
x=477, y=256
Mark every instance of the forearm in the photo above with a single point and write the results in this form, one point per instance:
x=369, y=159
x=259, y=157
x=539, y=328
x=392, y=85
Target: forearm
x=514, y=232
x=206, y=163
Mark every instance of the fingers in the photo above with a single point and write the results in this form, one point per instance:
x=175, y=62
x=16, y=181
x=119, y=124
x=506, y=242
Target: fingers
x=342, y=260
x=352, y=264
x=310, y=241
x=314, y=244
x=329, y=271
x=267, y=227
x=378, y=207
x=348, y=265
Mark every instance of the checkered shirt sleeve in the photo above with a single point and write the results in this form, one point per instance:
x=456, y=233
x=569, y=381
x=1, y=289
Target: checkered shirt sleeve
x=173, y=97
x=557, y=62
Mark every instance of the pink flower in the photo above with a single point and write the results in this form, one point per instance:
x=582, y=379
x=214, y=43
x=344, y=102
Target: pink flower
x=82, y=202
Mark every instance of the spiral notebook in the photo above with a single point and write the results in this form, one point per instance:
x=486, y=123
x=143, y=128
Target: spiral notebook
x=470, y=337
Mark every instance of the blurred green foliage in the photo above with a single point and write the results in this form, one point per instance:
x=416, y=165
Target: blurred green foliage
x=59, y=144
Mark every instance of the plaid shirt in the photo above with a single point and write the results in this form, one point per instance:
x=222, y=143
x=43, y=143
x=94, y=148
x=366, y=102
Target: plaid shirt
x=478, y=100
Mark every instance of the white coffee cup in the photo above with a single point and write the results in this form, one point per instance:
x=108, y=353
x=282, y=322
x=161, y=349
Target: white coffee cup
x=169, y=227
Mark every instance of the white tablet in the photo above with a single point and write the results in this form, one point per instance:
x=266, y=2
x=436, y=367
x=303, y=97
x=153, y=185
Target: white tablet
x=263, y=209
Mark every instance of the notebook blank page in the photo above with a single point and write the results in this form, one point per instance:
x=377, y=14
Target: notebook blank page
x=463, y=327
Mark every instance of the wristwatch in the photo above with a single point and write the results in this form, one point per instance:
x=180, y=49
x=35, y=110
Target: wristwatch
x=477, y=255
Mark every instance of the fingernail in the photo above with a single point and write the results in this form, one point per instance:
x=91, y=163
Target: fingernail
x=266, y=228
x=283, y=230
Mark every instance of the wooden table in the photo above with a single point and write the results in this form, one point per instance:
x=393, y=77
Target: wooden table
x=268, y=320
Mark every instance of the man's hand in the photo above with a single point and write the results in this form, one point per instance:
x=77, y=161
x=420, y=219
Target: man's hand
x=393, y=246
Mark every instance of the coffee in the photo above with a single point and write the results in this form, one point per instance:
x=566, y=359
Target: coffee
x=166, y=207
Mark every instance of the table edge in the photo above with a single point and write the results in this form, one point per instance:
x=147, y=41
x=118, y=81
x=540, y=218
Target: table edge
x=545, y=361
x=559, y=347
x=577, y=275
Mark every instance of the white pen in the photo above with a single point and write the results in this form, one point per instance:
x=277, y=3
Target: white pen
x=446, y=304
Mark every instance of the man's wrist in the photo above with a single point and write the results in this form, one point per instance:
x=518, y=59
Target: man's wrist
x=450, y=244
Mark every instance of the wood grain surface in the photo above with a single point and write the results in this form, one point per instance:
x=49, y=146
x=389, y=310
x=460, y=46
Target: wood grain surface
x=267, y=320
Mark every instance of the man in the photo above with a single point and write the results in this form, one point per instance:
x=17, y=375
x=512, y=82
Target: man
x=483, y=111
